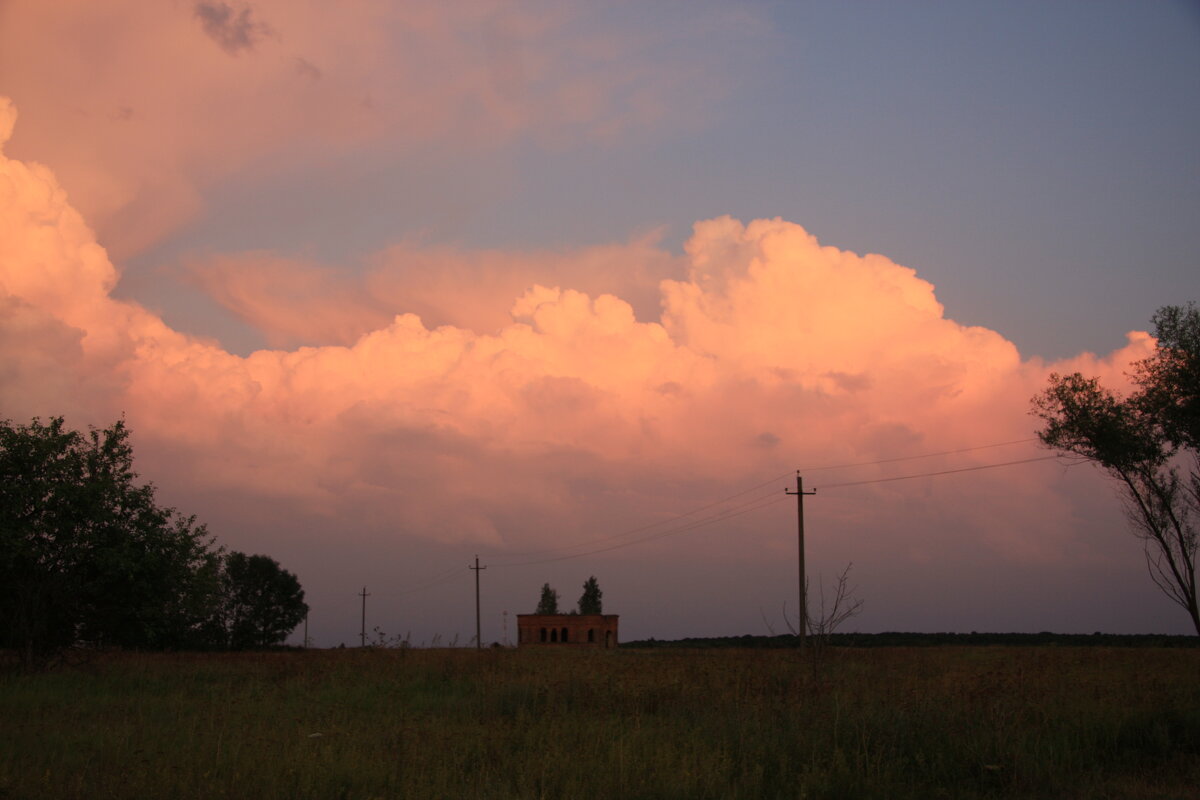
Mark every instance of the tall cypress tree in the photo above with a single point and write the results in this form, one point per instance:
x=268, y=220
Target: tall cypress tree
x=589, y=602
x=549, y=602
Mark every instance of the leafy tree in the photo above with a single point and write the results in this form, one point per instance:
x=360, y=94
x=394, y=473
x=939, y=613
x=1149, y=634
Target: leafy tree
x=86, y=556
x=549, y=602
x=1170, y=381
x=1149, y=442
x=589, y=601
x=261, y=603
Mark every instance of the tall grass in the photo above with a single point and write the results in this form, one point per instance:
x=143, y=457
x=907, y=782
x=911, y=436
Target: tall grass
x=887, y=723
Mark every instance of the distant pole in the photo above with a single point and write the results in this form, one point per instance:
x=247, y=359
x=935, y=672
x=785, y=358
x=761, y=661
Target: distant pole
x=802, y=627
x=478, y=640
x=363, y=633
x=305, y=630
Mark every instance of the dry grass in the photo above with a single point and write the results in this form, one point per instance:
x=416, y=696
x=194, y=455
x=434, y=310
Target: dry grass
x=894, y=723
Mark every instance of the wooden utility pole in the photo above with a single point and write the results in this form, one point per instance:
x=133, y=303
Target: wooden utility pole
x=363, y=633
x=305, y=630
x=478, y=640
x=802, y=626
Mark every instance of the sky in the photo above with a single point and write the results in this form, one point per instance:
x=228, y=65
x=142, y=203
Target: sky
x=578, y=288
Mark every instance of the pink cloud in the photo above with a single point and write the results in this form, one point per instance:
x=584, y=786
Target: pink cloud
x=771, y=351
x=290, y=302
x=297, y=302
x=142, y=109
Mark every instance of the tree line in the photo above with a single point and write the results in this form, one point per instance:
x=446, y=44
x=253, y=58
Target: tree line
x=89, y=559
x=917, y=639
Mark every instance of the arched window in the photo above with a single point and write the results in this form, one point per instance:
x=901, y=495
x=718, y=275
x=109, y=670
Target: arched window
x=543, y=634
x=554, y=634
x=608, y=639
x=564, y=635
x=591, y=635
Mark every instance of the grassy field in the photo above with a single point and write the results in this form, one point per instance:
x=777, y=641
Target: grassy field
x=956, y=722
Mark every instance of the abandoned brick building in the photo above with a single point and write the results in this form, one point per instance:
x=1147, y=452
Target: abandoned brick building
x=585, y=630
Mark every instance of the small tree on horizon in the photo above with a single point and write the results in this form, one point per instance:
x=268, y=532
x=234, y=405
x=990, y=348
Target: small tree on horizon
x=589, y=601
x=261, y=603
x=549, y=602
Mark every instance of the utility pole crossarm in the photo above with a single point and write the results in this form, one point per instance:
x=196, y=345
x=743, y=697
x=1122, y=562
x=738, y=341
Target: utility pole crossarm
x=802, y=626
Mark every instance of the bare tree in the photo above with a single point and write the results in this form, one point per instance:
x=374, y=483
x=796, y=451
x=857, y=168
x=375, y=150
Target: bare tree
x=841, y=606
x=826, y=615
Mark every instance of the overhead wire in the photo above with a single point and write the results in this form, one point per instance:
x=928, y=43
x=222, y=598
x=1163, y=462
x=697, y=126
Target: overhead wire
x=939, y=472
x=659, y=523
x=917, y=457
x=442, y=577
x=447, y=578
x=757, y=503
x=737, y=511
x=685, y=522
x=698, y=509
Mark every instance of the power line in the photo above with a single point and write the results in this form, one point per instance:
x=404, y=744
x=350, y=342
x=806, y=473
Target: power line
x=632, y=531
x=662, y=534
x=940, y=472
x=613, y=537
x=685, y=526
x=746, y=508
x=588, y=547
x=735, y=511
x=757, y=503
x=923, y=455
x=436, y=579
x=439, y=579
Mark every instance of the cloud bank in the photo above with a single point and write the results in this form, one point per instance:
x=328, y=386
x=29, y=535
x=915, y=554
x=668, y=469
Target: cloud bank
x=768, y=352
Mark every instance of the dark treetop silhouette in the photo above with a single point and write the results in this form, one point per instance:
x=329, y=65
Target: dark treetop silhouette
x=87, y=557
x=1148, y=442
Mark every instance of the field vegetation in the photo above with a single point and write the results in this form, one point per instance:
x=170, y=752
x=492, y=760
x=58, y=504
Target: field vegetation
x=885, y=722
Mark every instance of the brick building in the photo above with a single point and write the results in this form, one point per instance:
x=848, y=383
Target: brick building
x=585, y=630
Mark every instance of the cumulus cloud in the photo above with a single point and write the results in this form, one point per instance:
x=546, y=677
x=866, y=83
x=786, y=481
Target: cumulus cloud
x=770, y=351
x=294, y=301
x=771, y=344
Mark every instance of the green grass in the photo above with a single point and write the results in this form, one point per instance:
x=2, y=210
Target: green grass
x=887, y=723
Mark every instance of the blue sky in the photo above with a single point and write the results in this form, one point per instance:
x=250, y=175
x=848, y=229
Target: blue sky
x=1035, y=161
